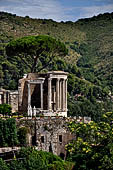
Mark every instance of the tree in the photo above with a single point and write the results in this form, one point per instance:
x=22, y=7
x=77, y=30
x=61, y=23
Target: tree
x=5, y=109
x=8, y=132
x=35, y=52
x=93, y=147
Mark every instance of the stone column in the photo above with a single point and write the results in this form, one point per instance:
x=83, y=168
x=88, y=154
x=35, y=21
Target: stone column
x=29, y=95
x=66, y=94
x=0, y=98
x=57, y=93
x=19, y=97
x=41, y=87
x=4, y=97
x=63, y=95
x=49, y=93
x=60, y=95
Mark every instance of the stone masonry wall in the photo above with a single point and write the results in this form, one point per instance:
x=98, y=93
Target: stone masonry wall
x=9, y=97
x=23, y=92
x=50, y=134
x=13, y=100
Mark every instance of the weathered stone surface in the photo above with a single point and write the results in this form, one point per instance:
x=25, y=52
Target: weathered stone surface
x=46, y=92
x=9, y=97
x=8, y=149
x=50, y=134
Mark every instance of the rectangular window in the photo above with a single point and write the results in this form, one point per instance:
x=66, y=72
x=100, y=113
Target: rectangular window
x=60, y=138
x=42, y=139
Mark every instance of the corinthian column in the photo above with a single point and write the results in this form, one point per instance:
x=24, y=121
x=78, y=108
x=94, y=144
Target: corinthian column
x=66, y=94
x=57, y=93
x=29, y=95
x=29, y=100
x=63, y=89
x=49, y=93
x=41, y=85
x=60, y=95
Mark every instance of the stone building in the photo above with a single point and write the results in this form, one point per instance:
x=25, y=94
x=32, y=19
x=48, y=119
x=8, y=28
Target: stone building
x=50, y=134
x=9, y=97
x=43, y=94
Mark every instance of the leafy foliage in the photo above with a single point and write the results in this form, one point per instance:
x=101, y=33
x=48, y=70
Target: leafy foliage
x=5, y=109
x=93, y=147
x=87, y=99
x=32, y=49
x=22, y=135
x=8, y=132
x=3, y=165
x=30, y=159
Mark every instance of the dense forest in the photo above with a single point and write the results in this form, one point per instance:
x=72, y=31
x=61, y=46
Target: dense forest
x=89, y=60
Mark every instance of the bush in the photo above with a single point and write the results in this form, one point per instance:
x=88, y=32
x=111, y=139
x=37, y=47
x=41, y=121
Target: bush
x=5, y=109
x=3, y=165
x=31, y=159
x=22, y=135
x=8, y=132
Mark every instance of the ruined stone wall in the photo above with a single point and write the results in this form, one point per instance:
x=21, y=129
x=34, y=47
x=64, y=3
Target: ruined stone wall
x=23, y=95
x=50, y=134
x=9, y=97
x=23, y=92
x=2, y=96
x=13, y=100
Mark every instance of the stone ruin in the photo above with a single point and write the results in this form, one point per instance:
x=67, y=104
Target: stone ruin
x=44, y=94
x=50, y=134
x=9, y=97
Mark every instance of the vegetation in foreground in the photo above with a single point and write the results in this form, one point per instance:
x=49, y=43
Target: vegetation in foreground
x=31, y=159
x=93, y=147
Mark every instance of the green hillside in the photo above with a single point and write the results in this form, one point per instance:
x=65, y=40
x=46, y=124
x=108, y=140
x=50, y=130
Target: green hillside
x=97, y=49
x=89, y=62
x=89, y=40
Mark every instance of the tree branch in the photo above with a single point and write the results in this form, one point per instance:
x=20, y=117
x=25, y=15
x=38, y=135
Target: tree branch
x=24, y=61
x=46, y=64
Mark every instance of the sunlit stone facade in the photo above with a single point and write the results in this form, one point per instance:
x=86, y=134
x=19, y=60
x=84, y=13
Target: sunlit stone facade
x=44, y=94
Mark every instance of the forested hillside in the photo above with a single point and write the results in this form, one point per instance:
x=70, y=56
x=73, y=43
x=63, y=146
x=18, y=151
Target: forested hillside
x=89, y=61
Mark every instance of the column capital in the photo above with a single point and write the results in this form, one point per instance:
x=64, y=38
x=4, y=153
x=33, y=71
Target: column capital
x=49, y=78
x=65, y=79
